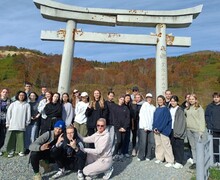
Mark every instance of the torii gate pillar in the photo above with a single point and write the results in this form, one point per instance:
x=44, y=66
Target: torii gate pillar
x=161, y=60
x=67, y=58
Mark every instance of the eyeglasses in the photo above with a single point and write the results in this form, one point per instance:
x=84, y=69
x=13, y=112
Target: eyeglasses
x=99, y=125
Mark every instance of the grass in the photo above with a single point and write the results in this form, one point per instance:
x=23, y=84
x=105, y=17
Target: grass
x=7, y=68
x=214, y=174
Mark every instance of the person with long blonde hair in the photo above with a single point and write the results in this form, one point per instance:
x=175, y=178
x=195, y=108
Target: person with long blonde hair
x=95, y=110
x=195, y=120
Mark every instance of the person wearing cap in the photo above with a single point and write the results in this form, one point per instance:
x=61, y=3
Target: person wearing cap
x=80, y=117
x=135, y=90
x=67, y=109
x=40, y=148
x=75, y=97
x=146, y=135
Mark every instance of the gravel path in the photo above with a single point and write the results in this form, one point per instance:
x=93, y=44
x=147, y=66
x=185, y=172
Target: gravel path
x=16, y=168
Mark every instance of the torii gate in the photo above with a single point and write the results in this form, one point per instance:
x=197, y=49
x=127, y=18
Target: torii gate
x=116, y=17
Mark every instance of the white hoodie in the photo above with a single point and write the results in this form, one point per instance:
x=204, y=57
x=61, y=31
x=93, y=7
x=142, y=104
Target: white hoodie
x=146, y=116
x=18, y=116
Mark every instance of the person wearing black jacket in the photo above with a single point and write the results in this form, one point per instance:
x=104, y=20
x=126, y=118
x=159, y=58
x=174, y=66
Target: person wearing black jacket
x=95, y=110
x=53, y=110
x=212, y=118
x=110, y=106
x=121, y=125
x=68, y=153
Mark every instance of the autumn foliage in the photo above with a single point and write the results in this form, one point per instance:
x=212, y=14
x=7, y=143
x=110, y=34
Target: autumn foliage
x=197, y=72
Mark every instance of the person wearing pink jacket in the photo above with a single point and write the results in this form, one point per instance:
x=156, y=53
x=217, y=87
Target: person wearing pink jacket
x=99, y=159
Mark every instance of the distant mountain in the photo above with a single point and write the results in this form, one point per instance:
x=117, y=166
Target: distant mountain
x=197, y=72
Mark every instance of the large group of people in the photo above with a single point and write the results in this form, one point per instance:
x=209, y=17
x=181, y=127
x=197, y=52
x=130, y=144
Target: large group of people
x=87, y=134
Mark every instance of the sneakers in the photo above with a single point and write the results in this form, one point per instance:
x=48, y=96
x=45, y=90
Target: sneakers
x=138, y=159
x=190, y=160
x=21, y=154
x=169, y=165
x=158, y=161
x=127, y=155
x=59, y=173
x=116, y=157
x=178, y=166
x=147, y=159
x=45, y=166
x=134, y=153
x=1, y=153
x=37, y=176
x=193, y=166
x=108, y=173
x=10, y=154
x=80, y=175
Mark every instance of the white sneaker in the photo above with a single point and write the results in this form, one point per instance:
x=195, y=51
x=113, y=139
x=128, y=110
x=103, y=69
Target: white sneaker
x=11, y=154
x=80, y=175
x=134, y=152
x=59, y=173
x=178, y=166
x=190, y=160
x=169, y=165
x=158, y=161
x=1, y=153
x=147, y=159
x=108, y=173
x=21, y=154
x=138, y=159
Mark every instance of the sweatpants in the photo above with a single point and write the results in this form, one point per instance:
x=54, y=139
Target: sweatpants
x=216, y=146
x=81, y=129
x=36, y=156
x=15, y=141
x=163, y=148
x=75, y=162
x=96, y=165
x=178, y=148
x=2, y=134
x=146, y=145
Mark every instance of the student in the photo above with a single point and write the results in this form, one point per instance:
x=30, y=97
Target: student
x=32, y=129
x=178, y=131
x=121, y=125
x=67, y=109
x=212, y=118
x=17, y=119
x=99, y=159
x=40, y=148
x=95, y=110
x=195, y=120
x=146, y=135
x=4, y=104
x=68, y=153
x=162, y=128
x=80, y=114
x=168, y=95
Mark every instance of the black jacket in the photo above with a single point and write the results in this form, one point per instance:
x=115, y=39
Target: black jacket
x=212, y=117
x=122, y=117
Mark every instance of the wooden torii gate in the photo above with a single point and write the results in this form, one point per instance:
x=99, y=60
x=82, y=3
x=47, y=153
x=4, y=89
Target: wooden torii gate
x=116, y=17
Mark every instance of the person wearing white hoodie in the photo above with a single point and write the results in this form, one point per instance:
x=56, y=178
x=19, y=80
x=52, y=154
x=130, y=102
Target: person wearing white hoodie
x=80, y=116
x=146, y=135
x=17, y=119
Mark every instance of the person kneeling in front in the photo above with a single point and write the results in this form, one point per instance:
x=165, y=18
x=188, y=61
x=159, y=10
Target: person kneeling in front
x=68, y=153
x=41, y=149
x=99, y=160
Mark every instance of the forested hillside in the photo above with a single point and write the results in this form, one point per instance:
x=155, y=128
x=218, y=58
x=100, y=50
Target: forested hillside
x=197, y=72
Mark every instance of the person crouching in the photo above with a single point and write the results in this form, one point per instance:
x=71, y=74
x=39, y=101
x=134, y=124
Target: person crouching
x=68, y=154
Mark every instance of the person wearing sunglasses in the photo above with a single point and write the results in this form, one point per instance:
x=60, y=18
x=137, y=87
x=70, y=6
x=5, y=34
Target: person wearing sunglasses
x=99, y=159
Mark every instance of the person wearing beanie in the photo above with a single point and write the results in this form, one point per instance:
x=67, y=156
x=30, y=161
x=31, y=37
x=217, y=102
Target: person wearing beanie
x=40, y=148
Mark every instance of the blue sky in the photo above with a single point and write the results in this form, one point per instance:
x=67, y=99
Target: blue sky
x=21, y=24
